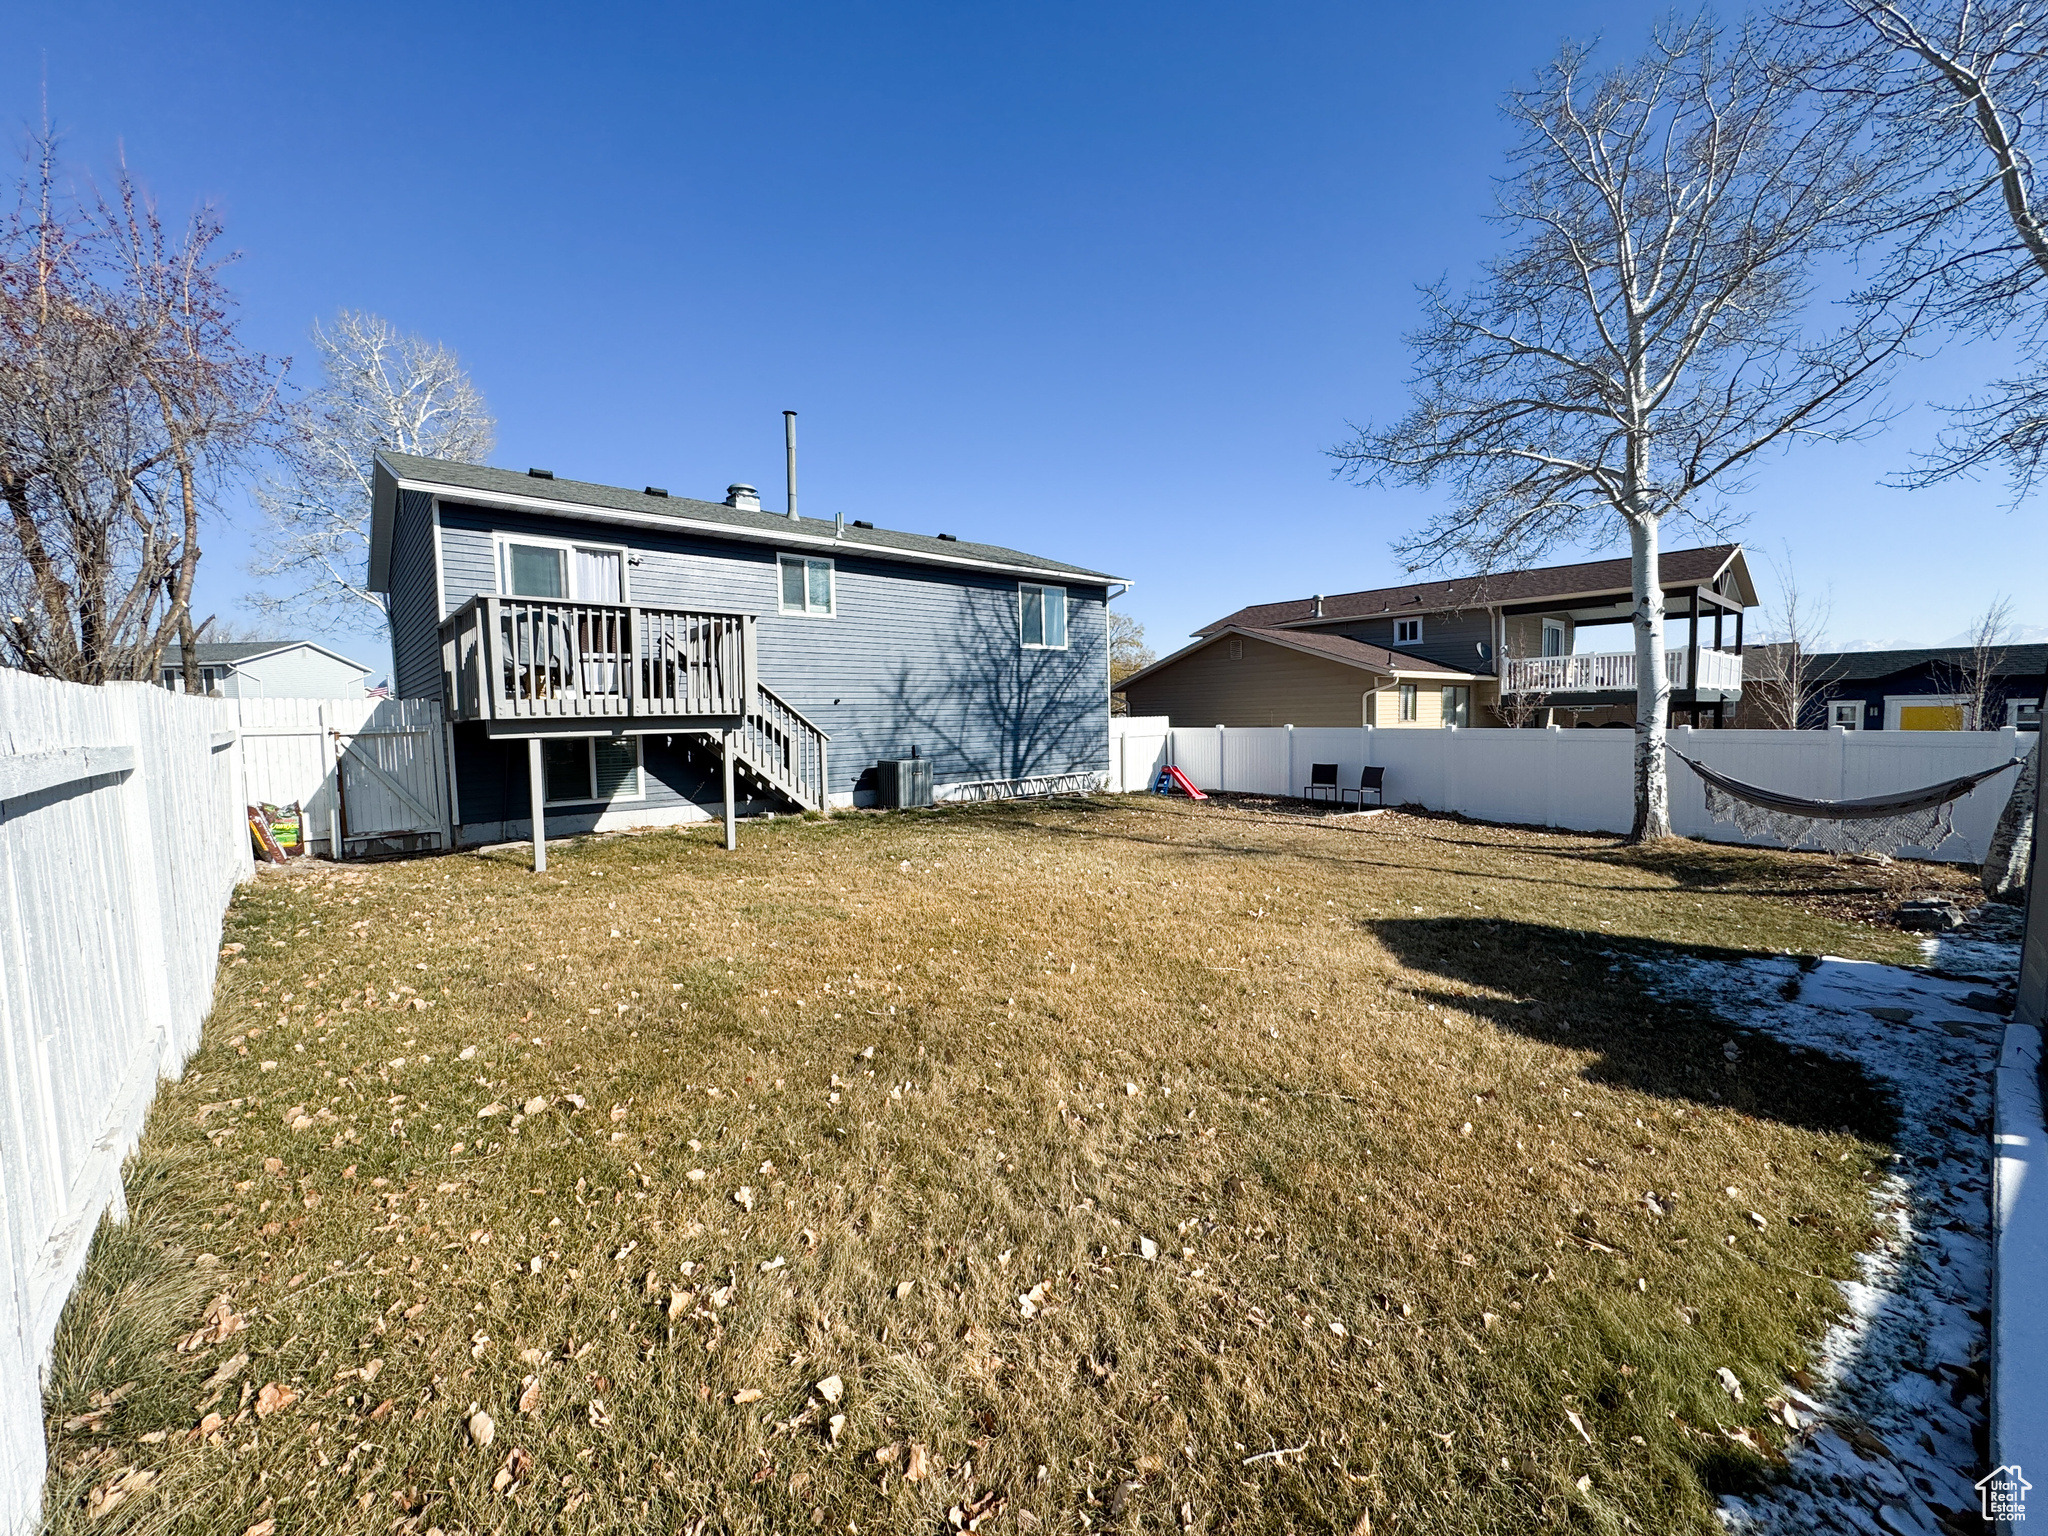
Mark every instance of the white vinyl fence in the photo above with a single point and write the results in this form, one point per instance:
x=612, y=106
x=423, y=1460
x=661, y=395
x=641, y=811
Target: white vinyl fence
x=123, y=830
x=391, y=795
x=1577, y=780
x=121, y=838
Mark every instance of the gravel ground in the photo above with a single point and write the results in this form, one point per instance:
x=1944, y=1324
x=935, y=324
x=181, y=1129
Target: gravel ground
x=1892, y=1423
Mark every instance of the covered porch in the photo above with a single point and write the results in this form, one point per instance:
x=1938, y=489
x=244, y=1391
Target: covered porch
x=1703, y=669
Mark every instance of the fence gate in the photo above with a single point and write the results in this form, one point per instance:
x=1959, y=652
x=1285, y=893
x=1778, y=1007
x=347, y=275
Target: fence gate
x=372, y=773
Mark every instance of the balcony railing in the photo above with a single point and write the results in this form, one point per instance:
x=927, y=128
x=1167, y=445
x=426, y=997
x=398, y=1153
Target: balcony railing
x=523, y=658
x=1615, y=672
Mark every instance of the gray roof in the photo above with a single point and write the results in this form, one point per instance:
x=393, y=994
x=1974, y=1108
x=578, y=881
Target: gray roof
x=227, y=652
x=586, y=496
x=1867, y=666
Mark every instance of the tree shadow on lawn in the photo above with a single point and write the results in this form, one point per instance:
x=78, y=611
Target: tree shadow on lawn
x=1568, y=987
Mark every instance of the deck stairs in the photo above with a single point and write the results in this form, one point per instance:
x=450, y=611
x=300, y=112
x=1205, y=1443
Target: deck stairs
x=777, y=752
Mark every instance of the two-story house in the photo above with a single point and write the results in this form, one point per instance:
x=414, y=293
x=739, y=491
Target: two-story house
x=1509, y=648
x=623, y=657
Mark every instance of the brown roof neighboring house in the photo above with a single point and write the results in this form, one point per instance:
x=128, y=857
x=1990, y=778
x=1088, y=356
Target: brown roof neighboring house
x=1248, y=677
x=1545, y=584
x=1453, y=646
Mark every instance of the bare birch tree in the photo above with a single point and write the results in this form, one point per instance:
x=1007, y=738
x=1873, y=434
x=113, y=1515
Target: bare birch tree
x=1641, y=341
x=383, y=389
x=1955, y=95
x=1525, y=707
x=125, y=396
x=1972, y=678
x=1784, y=675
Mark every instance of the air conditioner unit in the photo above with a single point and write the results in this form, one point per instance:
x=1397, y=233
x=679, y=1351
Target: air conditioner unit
x=902, y=782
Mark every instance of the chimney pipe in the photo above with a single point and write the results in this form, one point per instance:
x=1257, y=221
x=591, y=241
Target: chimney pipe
x=1318, y=606
x=789, y=457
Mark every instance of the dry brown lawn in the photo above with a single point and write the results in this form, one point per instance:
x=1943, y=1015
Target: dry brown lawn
x=1111, y=1164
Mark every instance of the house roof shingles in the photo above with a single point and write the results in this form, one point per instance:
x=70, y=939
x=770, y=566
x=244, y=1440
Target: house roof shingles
x=1678, y=567
x=590, y=496
x=1825, y=667
x=228, y=653
x=1353, y=653
x=1356, y=652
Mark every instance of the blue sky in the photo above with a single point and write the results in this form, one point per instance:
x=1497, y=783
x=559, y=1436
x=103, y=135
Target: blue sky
x=1099, y=282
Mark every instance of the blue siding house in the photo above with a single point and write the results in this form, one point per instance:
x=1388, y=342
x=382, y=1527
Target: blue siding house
x=630, y=653
x=1910, y=690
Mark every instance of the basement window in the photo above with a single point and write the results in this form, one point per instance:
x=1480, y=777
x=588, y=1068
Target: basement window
x=1042, y=617
x=587, y=770
x=807, y=585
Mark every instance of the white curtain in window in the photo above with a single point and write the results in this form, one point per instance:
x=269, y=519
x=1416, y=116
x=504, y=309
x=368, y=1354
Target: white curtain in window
x=597, y=576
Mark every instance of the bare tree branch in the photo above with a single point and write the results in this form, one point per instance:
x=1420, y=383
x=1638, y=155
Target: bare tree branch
x=125, y=396
x=1643, y=339
x=383, y=389
x=1953, y=95
x=1782, y=675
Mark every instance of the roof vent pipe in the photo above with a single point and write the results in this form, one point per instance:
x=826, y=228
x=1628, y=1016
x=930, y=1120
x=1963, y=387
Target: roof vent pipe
x=839, y=525
x=789, y=457
x=743, y=497
x=1318, y=601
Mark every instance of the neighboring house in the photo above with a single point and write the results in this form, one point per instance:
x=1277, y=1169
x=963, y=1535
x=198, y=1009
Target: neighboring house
x=632, y=635
x=1913, y=690
x=268, y=669
x=1498, y=650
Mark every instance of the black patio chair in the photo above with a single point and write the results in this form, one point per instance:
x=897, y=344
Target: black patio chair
x=1322, y=780
x=1373, y=779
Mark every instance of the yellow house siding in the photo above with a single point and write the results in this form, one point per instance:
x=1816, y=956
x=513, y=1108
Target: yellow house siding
x=1429, y=705
x=1266, y=685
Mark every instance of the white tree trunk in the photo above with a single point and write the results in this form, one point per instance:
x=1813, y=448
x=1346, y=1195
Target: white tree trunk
x=2007, y=864
x=1653, y=691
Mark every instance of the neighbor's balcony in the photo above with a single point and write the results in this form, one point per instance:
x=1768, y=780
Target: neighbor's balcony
x=1615, y=672
x=525, y=658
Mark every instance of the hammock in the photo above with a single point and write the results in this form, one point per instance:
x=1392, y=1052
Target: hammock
x=1911, y=818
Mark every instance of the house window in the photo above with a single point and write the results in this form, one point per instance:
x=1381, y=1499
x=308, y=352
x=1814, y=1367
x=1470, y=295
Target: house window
x=1042, y=617
x=2023, y=714
x=533, y=568
x=1407, y=631
x=1407, y=702
x=1457, y=706
x=585, y=770
x=1846, y=713
x=807, y=585
x=1553, y=638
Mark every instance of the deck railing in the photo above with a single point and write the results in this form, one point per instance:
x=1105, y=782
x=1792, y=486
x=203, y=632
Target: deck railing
x=785, y=748
x=1615, y=672
x=521, y=658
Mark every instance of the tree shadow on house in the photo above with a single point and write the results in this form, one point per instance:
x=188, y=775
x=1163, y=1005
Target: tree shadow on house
x=992, y=708
x=1581, y=990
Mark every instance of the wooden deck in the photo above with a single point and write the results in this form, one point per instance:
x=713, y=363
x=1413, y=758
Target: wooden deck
x=533, y=659
x=534, y=666
x=1615, y=672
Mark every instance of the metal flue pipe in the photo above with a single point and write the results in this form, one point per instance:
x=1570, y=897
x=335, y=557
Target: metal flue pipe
x=789, y=457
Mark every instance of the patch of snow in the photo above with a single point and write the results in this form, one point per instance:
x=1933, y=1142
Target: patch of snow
x=1892, y=1442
